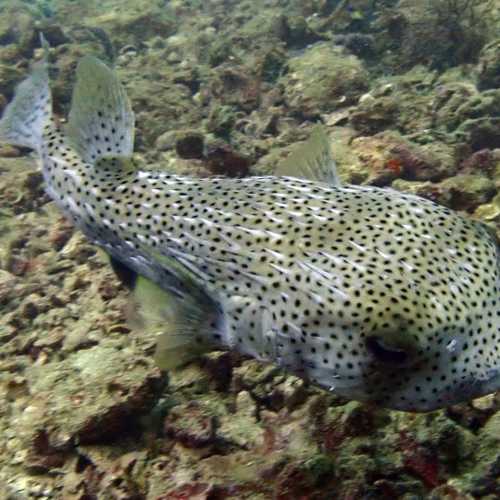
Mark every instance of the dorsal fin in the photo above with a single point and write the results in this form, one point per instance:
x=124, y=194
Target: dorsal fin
x=311, y=160
x=101, y=121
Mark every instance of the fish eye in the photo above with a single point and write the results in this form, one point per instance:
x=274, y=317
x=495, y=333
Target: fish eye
x=385, y=353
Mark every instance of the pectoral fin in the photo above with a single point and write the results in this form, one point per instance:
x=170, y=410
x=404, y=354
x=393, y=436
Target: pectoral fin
x=185, y=327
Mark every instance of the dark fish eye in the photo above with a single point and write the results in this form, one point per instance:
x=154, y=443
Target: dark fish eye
x=384, y=353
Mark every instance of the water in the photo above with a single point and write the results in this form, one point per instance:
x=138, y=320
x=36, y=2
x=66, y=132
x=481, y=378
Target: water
x=409, y=92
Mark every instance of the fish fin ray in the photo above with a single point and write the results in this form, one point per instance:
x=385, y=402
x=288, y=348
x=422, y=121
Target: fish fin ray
x=185, y=324
x=312, y=160
x=101, y=121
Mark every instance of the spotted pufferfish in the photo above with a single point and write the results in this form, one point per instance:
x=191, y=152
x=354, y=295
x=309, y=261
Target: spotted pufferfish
x=376, y=295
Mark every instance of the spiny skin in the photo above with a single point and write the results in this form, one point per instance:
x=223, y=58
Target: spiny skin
x=312, y=277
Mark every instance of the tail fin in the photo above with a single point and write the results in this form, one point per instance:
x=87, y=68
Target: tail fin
x=25, y=117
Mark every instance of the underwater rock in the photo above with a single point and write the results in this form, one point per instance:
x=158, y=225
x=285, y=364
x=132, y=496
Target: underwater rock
x=461, y=192
x=359, y=44
x=236, y=86
x=449, y=98
x=17, y=26
x=77, y=248
x=222, y=159
x=221, y=120
x=21, y=186
x=373, y=115
x=241, y=428
x=134, y=26
x=290, y=394
x=10, y=54
x=60, y=233
x=437, y=33
x=110, y=475
x=166, y=141
x=490, y=212
x=467, y=192
x=194, y=490
x=160, y=104
x=472, y=116
x=271, y=64
x=412, y=93
x=480, y=133
x=429, y=162
x=387, y=156
x=295, y=31
x=44, y=455
x=485, y=104
x=54, y=34
x=189, y=144
x=252, y=373
x=303, y=480
x=218, y=52
x=102, y=396
x=7, y=286
x=491, y=430
x=219, y=367
x=192, y=424
x=7, y=151
x=489, y=66
x=9, y=78
x=484, y=161
x=323, y=79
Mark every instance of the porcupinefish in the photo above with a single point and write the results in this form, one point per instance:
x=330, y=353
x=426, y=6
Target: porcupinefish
x=374, y=294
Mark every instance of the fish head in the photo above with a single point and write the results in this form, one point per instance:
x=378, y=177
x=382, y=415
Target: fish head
x=413, y=333
x=402, y=370
x=423, y=354
x=424, y=374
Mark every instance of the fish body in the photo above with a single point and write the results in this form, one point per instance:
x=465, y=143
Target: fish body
x=376, y=295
